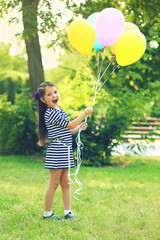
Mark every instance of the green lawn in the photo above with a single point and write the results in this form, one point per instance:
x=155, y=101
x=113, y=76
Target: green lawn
x=117, y=203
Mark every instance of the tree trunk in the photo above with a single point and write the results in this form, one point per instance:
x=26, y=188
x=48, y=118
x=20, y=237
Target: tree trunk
x=30, y=33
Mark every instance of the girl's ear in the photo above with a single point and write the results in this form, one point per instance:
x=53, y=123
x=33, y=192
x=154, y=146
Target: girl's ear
x=42, y=100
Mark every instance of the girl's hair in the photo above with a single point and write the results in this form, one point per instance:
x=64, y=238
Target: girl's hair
x=42, y=107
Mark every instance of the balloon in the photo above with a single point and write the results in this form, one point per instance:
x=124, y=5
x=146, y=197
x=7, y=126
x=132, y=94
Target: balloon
x=92, y=20
x=128, y=26
x=113, y=47
x=81, y=35
x=110, y=25
x=130, y=47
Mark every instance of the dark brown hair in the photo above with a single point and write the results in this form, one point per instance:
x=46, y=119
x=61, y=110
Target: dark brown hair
x=42, y=107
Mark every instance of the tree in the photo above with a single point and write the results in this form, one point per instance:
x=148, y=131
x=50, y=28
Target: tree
x=30, y=34
x=29, y=10
x=13, y=72
x=37, y=15
x=8, y=62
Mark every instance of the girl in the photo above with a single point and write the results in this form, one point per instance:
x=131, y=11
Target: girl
x=55, y=126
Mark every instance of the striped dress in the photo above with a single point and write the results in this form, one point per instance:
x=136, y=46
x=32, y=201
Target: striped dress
x=58, y=155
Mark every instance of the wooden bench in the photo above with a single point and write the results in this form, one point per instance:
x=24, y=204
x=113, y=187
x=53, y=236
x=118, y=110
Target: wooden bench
x=144, y=129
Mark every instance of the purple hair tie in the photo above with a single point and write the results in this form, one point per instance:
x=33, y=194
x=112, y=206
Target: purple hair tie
x=35, y=95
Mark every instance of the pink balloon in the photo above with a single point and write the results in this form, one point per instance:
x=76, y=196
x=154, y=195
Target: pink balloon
x=110, y=25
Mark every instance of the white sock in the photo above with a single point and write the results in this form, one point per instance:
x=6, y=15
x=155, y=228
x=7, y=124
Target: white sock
x=47, y=214
x=66, y=212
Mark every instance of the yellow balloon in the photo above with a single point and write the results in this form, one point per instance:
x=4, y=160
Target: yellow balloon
x=128, y=26
x=81, y=35
x=113, y=47
x=130, y=47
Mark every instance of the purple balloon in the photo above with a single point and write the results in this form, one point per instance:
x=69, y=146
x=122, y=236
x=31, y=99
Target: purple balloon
x=110, y=24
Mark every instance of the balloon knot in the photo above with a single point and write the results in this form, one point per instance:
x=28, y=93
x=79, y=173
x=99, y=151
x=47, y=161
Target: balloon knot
x=103, y=48
x=114, y=55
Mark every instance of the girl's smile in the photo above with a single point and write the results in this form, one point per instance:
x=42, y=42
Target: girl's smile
x=51, y=97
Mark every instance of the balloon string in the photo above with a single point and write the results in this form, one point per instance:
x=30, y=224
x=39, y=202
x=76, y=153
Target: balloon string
x=80, y=146
x=101, y=64
x=107, y=67
x=79, y=143
x=98, y=75
x=98, y=65
x=99, y=78
x=114, y=68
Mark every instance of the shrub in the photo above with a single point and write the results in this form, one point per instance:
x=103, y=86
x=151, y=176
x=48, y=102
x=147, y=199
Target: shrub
x=11, y=82
x=18, y=125
x=99, y=138
x=105, y=128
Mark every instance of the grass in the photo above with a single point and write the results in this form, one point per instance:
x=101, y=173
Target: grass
x=117, y=203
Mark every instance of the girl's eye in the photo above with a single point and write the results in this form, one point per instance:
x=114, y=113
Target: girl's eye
x=49, y=94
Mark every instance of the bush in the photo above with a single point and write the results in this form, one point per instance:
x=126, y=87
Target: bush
x=18, y=125
x=101, y=135
x=105, y=128
x=11, y=82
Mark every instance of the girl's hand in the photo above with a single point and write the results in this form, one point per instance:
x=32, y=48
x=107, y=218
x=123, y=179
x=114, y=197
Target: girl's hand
x=88, y=110
x=83, y=126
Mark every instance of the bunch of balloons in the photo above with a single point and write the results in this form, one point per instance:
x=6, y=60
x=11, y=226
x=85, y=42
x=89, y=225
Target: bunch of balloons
x=108, y=28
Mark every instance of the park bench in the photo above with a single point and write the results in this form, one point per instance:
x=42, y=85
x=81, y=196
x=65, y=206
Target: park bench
x=149, y=129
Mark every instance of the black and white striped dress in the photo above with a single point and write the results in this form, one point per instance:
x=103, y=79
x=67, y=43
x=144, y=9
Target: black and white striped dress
x=61, y=138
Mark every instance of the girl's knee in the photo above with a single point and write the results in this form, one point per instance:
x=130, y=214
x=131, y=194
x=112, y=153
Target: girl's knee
x=65, y=183
x=53, y=186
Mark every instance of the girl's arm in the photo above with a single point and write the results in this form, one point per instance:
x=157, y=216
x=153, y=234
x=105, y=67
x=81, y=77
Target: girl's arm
x=75, y=130
x=73, y=124
x=82, y=126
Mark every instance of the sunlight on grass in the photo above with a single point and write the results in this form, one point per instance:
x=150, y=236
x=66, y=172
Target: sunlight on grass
x=116, y=203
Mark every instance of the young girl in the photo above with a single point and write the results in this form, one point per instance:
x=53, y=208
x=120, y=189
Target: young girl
x=55, y=126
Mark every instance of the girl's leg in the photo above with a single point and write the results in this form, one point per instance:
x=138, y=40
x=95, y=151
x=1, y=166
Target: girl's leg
x=66, y=189
x=54, y=180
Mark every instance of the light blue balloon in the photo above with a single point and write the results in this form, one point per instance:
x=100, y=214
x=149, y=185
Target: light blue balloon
x=92, y=20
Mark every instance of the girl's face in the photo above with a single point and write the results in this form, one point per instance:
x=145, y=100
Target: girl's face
x=51, y=97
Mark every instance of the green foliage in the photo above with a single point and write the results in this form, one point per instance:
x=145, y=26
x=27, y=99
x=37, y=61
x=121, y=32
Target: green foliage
x=106, y=127
x=8, y=62
x=13, y=74
x=72, y=78
x=11, y=82
x=68, y=64
x=18, y=125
